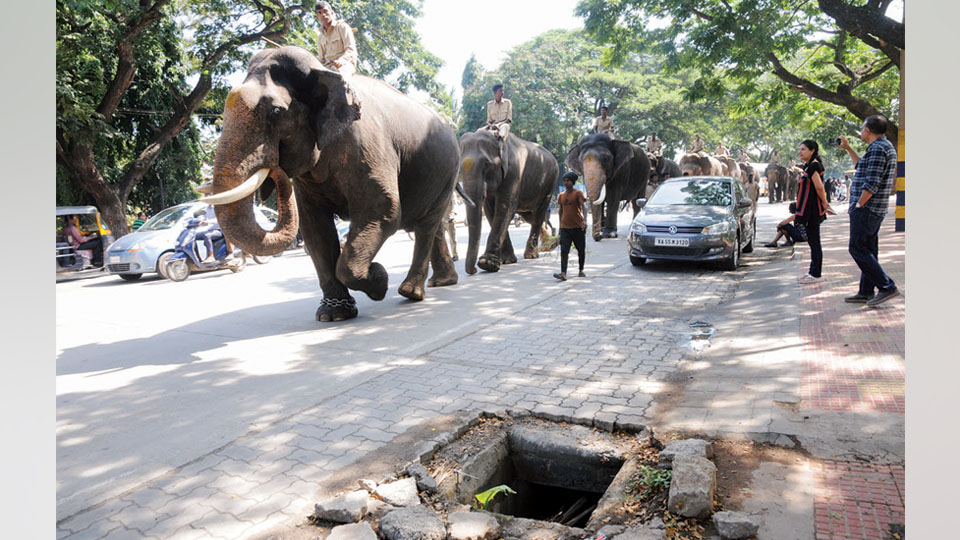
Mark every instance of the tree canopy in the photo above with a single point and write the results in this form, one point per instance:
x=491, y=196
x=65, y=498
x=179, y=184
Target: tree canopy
x=843, y=53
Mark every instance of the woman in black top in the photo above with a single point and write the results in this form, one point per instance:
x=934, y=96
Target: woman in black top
x=812, y=205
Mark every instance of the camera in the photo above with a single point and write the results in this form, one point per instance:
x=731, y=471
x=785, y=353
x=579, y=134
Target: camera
x=834, y=141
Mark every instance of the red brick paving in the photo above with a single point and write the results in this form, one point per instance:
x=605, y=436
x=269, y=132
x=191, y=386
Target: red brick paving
x=857, y=500
x=853, y=355
x=854, y=362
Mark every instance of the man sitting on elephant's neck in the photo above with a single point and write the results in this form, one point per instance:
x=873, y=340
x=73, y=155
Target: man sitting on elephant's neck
x=697, y=146
x=499, y=113
x=335, y=43
x=654, y=145
x=603, y=123
x=721, y=150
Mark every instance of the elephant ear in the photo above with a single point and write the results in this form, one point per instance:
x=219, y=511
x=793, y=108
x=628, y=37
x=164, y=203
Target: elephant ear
x=337, y=105
x=573, y=160
x=622, y=154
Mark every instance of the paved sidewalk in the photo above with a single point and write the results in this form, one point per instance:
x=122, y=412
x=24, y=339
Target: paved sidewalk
x=855, y=365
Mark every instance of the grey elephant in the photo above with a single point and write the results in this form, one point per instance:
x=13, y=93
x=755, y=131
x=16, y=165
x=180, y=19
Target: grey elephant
x=793, y=184
x=504, y=177
x=700, y=165
x=730, y=167
x=776, y=182
x=662, y=168
x=385, y=165
x=613, y=170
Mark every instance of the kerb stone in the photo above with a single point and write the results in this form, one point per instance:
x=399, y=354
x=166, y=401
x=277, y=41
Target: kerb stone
x=692, y=487
x=472, y=526
x=736, y=525
x=346, y=508
x=425, y=481
x=685, y=447
x=354, y=531
x=413, y=523
x=641, y=533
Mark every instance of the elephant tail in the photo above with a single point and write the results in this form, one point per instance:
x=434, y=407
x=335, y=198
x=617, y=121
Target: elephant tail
x=463, y=195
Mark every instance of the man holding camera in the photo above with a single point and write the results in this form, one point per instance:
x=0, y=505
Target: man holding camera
x=869, y=202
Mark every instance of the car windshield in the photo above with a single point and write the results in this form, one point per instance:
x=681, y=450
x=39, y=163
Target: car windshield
x=165, y=219
x=702, y=192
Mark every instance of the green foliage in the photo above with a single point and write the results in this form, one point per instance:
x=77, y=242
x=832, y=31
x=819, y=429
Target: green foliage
x=733, y=47
x=484, y=498
x=648, y=481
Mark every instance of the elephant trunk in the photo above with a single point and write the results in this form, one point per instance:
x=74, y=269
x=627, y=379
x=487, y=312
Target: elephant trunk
x=240, y=226
x=594, y=178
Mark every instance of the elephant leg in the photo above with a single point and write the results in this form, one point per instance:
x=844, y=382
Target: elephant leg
x=320, y=238
x=610, y=225
x=507, y=254
x=496, y=211
x=444, y=273
x=425, y=236
x=596, y=218
x=356, y=268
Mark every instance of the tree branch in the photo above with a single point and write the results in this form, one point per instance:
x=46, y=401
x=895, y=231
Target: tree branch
x=865, y=20
x=867, y=78
x=698, y=13
x=859, y=107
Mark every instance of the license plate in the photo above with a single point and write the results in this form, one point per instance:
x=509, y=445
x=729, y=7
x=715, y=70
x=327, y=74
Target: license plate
x=665, y=241
x=113, y=260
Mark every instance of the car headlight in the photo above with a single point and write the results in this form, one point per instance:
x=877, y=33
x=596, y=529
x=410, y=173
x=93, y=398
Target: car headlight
x=638, y=228
x=717, y=228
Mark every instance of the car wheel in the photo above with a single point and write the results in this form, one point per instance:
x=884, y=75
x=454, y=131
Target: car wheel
x=637, y=261
x=262, y=259
x=177, y=270
x=749, y=247
x=162, y=263
x=130, y=277
x=734, y=260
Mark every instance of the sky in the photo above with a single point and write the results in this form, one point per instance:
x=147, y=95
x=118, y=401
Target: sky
x=453, y=30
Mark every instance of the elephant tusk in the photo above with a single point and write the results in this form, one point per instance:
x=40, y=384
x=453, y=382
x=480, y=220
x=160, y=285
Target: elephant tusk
x=603, y=195
x=240, y=192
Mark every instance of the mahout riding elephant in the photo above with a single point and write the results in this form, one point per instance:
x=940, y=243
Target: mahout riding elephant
x=504, y=177
x=362, y=151
x=700, y=165
x=613, y=170
x=662, y=168
x=776, y=182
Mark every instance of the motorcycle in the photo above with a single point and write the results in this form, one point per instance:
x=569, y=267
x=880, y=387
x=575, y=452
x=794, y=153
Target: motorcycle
x=189, y=255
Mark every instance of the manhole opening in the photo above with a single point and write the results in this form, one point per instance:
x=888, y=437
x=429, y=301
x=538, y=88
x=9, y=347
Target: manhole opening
x=559, y=473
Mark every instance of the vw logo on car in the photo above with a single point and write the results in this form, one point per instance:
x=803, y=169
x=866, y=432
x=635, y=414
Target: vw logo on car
x=673, y=229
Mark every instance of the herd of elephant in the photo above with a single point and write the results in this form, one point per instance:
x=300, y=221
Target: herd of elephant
x=363, y=151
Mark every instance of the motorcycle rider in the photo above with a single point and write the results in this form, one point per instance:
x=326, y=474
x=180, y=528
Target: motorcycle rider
x=212, y=233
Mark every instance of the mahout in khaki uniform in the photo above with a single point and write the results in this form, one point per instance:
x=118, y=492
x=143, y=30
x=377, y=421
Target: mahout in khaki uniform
x=499, y=113
x=336, y=46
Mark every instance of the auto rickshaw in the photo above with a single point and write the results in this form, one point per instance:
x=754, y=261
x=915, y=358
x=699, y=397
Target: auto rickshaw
x=88, y=256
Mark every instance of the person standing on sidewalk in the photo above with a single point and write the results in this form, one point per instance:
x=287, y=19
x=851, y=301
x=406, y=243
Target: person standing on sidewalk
x=812, y=205
x=870, y=193
x=573, y=226
x=450, y=226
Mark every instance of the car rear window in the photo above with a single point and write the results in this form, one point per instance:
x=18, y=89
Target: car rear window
x=692, y=193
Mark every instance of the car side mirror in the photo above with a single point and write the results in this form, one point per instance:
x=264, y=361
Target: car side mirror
x=640, y=202
x=745, y=202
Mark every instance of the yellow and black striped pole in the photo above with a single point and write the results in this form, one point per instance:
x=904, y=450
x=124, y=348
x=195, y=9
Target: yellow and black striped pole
x=901, y=210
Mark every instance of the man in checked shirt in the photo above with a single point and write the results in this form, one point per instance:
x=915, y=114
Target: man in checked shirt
x=869, y=201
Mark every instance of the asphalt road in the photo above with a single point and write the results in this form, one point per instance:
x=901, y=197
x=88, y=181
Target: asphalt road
x=153, y=374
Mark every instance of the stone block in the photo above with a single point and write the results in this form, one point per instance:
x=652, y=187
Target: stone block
x=413, y=523
x=354, y=531
x=399, y=493
x=472, y=526
x=346, y=508
x=425, y=482
x=736, y=525
x=692, y=487
x=641, y=533
x=685, y=447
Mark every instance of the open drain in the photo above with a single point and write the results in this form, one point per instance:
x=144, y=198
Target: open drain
x=700, y=334
x=559, y=472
